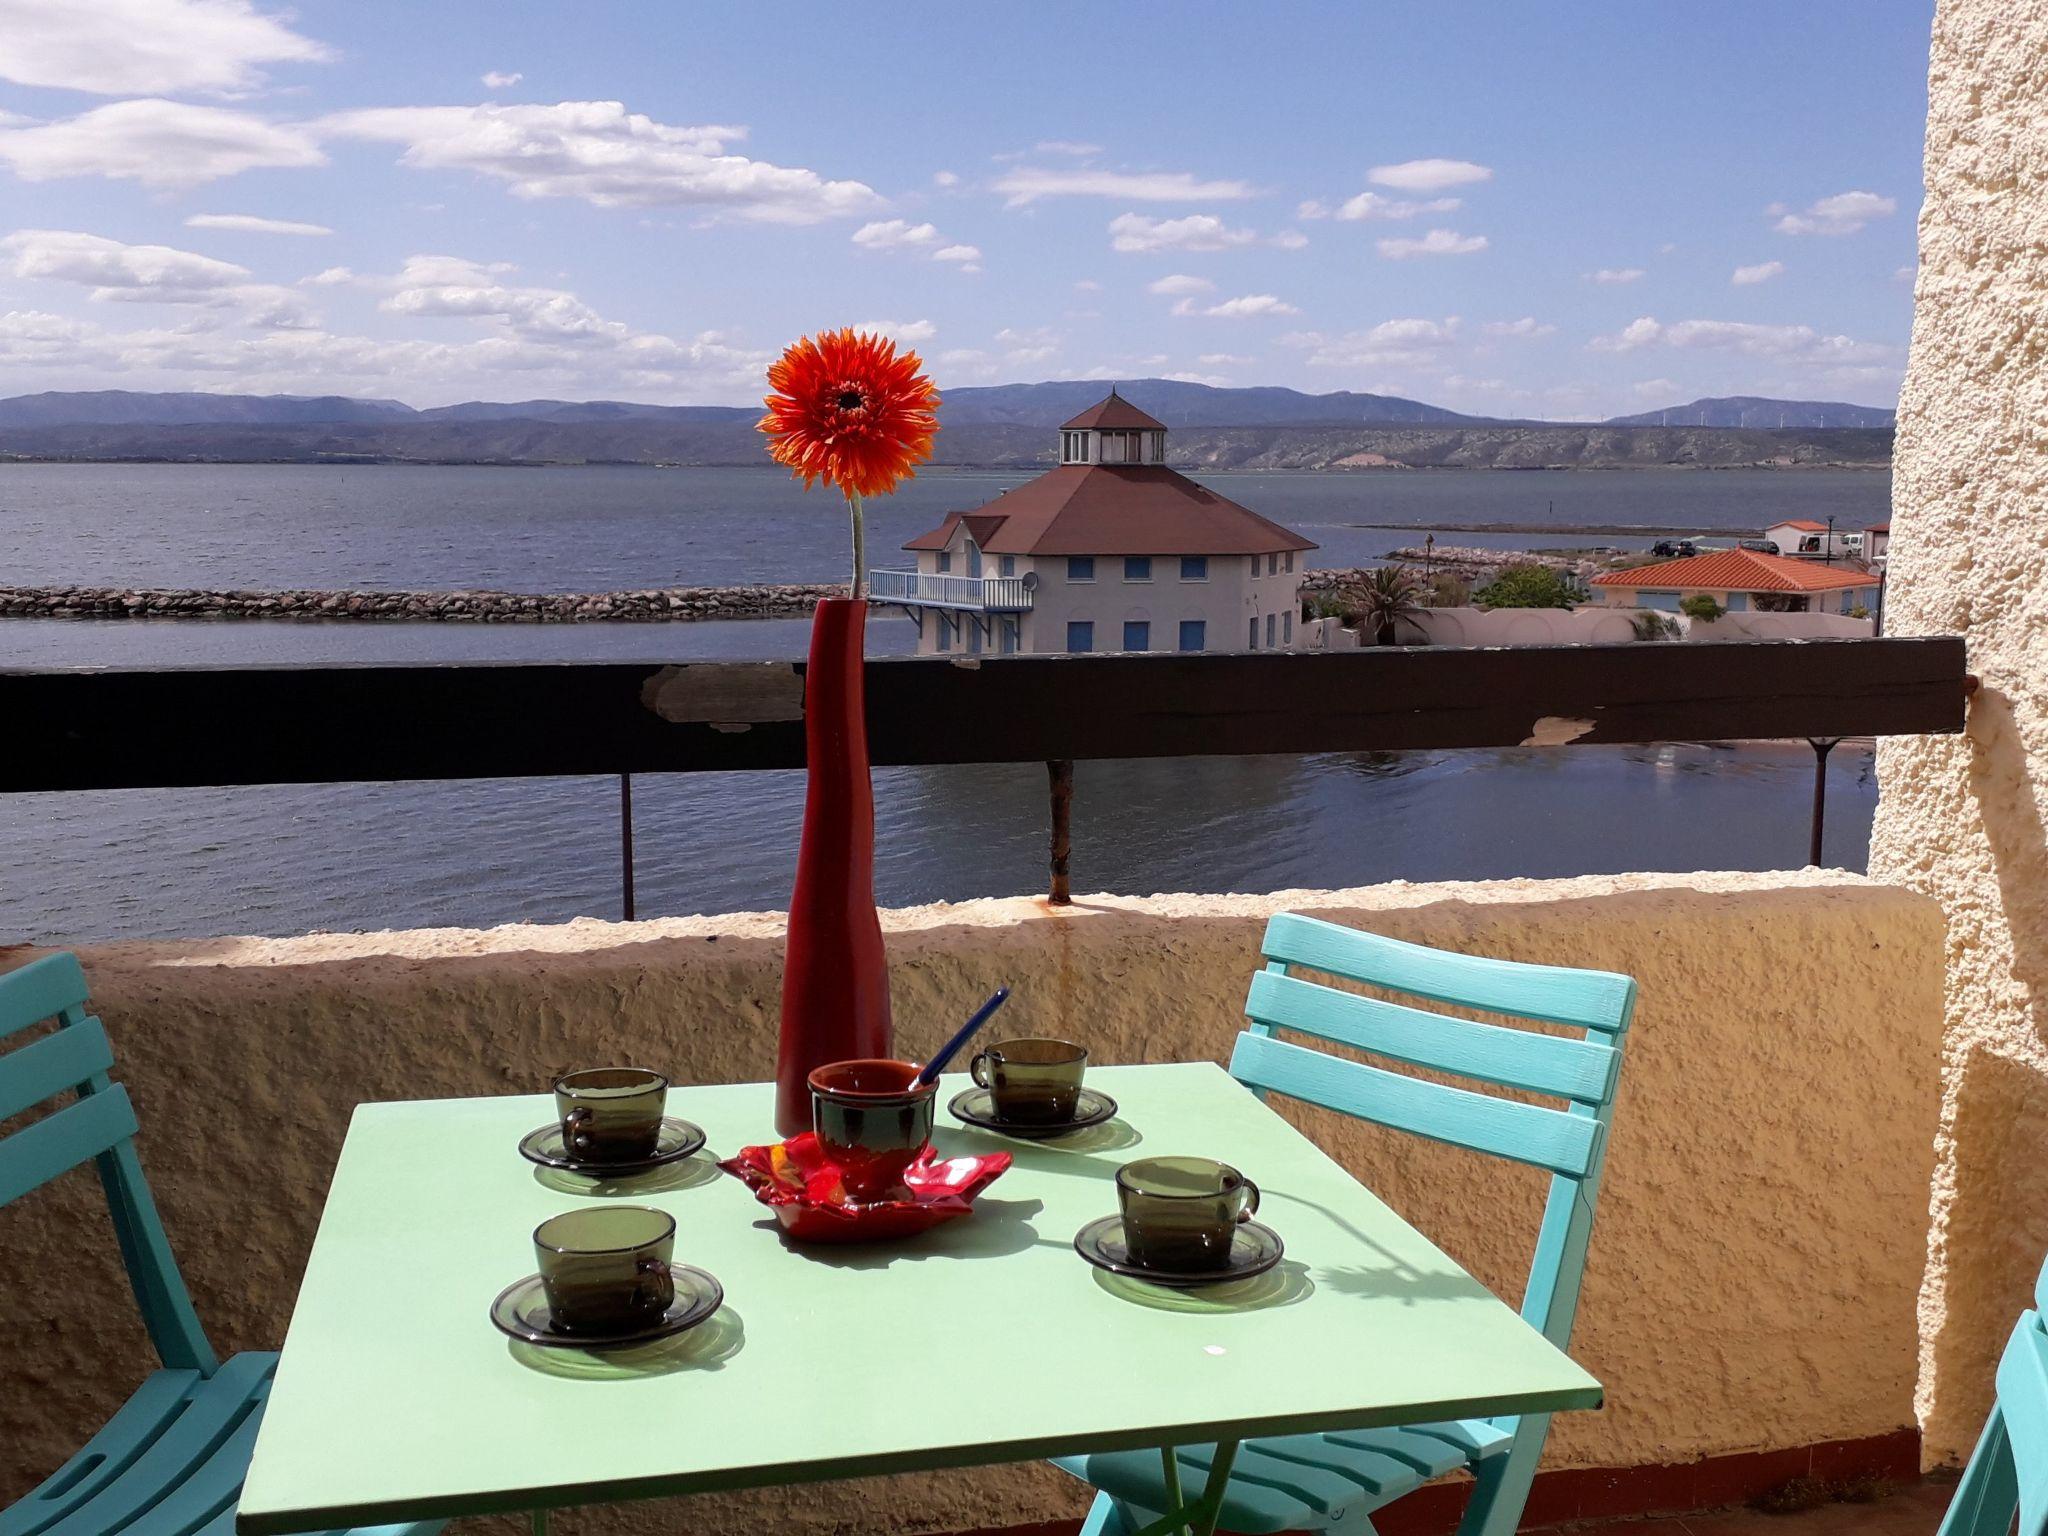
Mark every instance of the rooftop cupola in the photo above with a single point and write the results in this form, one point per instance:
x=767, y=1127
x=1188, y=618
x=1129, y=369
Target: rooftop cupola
x=1113, y=431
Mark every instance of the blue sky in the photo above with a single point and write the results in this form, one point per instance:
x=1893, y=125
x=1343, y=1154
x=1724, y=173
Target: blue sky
x=1553, y=211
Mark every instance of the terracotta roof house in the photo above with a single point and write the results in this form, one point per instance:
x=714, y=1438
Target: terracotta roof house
x=1739, y=580
x=1110, y=551
x=1877, y=543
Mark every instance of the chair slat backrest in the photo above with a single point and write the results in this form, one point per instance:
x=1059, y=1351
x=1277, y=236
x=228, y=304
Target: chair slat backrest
x=98, y=1125
x=2008, y=1472
x=1569, y=1139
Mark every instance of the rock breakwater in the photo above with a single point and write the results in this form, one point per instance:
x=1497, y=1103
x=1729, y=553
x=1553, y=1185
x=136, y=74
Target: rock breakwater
x=648, y=605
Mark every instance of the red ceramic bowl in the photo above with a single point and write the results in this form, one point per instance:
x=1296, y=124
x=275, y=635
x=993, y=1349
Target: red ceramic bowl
x=872, y=1120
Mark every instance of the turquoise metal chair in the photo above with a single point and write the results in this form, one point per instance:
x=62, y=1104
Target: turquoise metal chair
x=2008, y=1472
x=1335, y=1481
x=170, y=1462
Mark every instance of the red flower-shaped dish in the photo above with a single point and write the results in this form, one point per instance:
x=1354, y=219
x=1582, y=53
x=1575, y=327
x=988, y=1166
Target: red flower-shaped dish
x=807, y=1191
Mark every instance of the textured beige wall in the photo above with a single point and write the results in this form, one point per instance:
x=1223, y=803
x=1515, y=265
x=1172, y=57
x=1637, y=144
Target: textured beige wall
x=1753, y=1278
x=1961, y=817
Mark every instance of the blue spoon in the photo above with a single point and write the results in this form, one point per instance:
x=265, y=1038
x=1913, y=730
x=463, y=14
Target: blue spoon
x=951, y=1048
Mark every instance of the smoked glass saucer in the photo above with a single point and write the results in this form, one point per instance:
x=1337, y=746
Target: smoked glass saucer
x=977, y=1107
x=548, y=1147
x=521, y=1310
x=1254, y=1249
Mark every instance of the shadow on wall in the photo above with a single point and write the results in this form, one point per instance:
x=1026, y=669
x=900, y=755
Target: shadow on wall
x=1996, y=1225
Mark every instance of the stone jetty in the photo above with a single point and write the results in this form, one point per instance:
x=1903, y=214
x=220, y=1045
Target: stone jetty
x=648, y=605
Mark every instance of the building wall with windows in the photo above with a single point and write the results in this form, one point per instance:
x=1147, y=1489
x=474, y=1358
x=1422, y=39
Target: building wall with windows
x=1211, y=603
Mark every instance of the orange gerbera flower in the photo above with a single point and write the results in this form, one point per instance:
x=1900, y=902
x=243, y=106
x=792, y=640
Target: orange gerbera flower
x=850, y=410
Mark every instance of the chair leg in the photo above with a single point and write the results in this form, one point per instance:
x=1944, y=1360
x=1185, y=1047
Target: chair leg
x=1106, y=1517
x=1501, y=1483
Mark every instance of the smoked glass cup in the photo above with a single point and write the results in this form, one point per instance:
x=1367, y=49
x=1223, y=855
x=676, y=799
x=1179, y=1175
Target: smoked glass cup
x=611, y=1114
x=1181, y=1213
x=1032, y=1081
x=606, y=1269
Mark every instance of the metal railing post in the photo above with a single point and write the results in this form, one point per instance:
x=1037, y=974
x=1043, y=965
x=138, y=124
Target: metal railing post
x=1822, y=746
x=1060, y=776
x=626, y=845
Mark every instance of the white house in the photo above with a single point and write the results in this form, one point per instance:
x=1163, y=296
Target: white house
x=1111, y=551
x=1804, y=539
x=1741, y=580
x=1877, y=543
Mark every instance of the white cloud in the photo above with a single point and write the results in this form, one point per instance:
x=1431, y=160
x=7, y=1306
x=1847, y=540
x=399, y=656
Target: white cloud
x=73, y=354
x=1288, y=240
x=1762, y=272
x=1655, y=389
x=895, y=234
x=67, y=256
x=1242, y=308
x=1178, y=283
x=1800, y=344
x=1027, y=184
x=1066, y=147
x=1224, y=360
x=902, y=332
x=332, y=277
x=1639, y=332
x=1905, y=274
x=603, y=154
x=117, y=272
x=251, y=224
x=1842, y=214
x=1311, y=209
x=1613, y=277
x=501, y=80
x=921, y=239
x=1408, y=342
x=1428, y=175
x=1528, y=326
x=1136, y=233
x=1371, y=205
x=1087, y=285
x=158, y=143
x=444, y=286
x=1438, y=242
x=145, y=47
x=945, y=178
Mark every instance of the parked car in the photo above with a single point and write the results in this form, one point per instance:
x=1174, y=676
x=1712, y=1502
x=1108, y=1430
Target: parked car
x=1678, y=549
x=1760, y=546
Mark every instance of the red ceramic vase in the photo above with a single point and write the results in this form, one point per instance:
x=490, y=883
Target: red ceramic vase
x=835, y=978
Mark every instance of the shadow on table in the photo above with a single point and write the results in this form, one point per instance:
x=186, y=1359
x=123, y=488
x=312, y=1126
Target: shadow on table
x=1071, y=1151
x=687, y=1173
x=995, y=1227
x=1282, y=1286
x=1397, y=1281
x=704, y=1348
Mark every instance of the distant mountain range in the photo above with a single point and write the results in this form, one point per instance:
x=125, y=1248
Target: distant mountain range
x=1757, y=412
x=1008, y=424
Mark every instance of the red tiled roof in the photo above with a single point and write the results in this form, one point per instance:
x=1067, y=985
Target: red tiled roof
x=1878, y=528
x=1112, y=509
x=1113, y=412
x=1803, y=524
x=1738, y=570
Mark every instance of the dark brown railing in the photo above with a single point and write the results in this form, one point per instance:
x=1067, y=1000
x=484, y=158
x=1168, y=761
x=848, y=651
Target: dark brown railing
x=99, y=728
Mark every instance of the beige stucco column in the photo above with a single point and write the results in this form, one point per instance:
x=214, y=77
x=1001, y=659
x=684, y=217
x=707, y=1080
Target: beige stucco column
x=1962, y=818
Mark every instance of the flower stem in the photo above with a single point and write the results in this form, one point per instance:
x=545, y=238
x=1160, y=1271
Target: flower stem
x=860, y=547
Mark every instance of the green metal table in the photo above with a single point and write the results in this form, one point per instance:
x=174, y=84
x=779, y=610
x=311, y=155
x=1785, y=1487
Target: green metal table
x=984, y=1340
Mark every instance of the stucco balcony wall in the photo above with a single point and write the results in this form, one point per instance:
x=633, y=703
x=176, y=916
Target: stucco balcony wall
x=1753, y=1280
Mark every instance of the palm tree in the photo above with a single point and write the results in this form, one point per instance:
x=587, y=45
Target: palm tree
x=1389, y=594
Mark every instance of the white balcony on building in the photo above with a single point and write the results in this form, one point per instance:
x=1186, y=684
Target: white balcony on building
x=971, y=594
